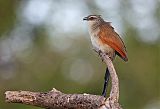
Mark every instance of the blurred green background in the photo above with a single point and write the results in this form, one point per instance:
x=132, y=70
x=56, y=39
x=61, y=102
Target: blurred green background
x=45, y=44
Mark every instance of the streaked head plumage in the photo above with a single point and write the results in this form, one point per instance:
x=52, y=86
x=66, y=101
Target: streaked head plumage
x=92, y=17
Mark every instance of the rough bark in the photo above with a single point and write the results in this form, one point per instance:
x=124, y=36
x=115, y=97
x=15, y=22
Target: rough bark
x=55, y=99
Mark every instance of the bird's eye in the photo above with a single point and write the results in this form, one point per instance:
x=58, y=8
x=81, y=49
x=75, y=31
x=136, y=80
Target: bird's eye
x=91, y=18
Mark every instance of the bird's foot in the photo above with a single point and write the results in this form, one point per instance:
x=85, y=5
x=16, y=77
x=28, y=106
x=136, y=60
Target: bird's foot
x=96, y=50
x=100, y=54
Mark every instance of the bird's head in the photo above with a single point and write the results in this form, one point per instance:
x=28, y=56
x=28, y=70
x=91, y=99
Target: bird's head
x=93, y=18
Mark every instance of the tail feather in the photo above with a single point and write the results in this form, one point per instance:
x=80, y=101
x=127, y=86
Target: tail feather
x=106, y=78
x=124, y=58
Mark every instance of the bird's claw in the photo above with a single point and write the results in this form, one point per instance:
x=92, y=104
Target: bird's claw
x=96, y=50
x=99, y=53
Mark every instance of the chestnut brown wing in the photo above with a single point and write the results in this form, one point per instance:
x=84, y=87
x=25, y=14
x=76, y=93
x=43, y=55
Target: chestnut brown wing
x=110, y=37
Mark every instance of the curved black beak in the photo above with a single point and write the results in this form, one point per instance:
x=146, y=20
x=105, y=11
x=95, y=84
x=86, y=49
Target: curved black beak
x=85, y=18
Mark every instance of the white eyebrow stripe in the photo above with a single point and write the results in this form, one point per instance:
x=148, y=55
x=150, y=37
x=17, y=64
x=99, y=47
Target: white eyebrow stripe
x=93, y=16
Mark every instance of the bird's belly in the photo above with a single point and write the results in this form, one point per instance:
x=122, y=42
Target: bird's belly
x=95, y=43
x=99, y=45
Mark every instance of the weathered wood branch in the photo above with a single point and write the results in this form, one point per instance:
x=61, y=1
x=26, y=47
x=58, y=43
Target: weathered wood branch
x=112, y=101
x=55, y=99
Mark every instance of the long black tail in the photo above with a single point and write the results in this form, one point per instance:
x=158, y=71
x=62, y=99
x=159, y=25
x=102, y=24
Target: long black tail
x=106, y=78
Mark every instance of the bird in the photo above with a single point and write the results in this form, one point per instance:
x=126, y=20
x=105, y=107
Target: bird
x=106, y=40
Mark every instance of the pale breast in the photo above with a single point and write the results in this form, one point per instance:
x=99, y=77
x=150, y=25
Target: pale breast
x=99, y=45
x=96, y=41
x=94, y=38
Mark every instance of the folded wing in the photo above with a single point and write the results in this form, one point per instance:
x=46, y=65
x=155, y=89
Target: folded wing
x=110, y=37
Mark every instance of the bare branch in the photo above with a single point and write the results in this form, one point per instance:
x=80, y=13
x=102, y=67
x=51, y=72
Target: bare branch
x=114, y=94
x=55, y=99
x=112, y=101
